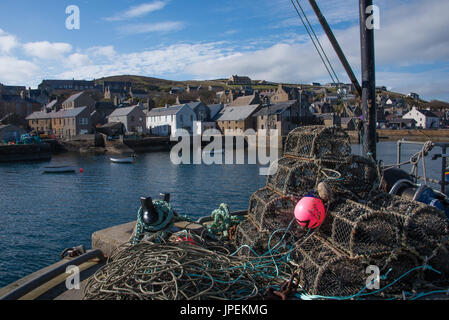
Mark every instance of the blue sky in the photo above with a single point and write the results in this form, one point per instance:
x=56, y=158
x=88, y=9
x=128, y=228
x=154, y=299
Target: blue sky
x=199, y=39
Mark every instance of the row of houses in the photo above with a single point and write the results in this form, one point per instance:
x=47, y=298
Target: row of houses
x=414, y=119
x=228, y=119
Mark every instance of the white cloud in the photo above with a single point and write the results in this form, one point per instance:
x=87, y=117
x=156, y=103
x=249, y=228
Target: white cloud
x=7, y=42
x=410, y=35
x=159, y=62
x=78, y=60
x=102, y=51
x=16, y=71
x=138, y=11
x=141, y=28
x=47, y=50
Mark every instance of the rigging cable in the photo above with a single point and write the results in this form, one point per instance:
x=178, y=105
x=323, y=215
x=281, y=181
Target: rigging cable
x=319, y=43
x=314, y=43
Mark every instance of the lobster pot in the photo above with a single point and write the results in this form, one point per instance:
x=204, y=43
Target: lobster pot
x=294, y=177
x=441, y=263
x=359, y=175
x=267, y=207
x=360, y=231
x=318, y=142
x=395, y=265
x=325, y=271
x=424, y=228
x=248, y=236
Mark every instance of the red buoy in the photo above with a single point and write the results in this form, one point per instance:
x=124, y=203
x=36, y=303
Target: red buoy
x=310, y=213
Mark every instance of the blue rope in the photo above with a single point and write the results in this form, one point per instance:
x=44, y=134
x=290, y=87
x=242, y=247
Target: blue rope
x=360, y=294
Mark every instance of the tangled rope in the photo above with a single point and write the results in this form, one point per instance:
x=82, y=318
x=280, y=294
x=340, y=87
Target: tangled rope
x=166, y=219
x=182, y=271
x=223, y=221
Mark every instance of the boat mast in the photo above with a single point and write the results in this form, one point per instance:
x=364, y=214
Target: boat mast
x=368, y=79
x=368, y=89
x=336, y=46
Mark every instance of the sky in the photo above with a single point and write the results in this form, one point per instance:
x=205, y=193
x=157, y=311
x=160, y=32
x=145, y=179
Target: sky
x=201, y=40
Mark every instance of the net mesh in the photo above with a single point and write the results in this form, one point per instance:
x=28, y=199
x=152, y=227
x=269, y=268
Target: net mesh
x=360, y=231
x=363, y=226
x=318, y=142
x=423, y=228
x=326, y=271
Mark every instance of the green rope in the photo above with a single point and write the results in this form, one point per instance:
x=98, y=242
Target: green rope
x=165, y=220
x=223, y=221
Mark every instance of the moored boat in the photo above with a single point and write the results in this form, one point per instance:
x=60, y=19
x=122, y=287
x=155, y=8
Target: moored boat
x=123, y=160
x=59, y=169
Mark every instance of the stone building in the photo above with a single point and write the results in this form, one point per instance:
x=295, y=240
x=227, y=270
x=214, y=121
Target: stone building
x=236, y=120
x=80, y=99
x=284, y=93
x=284, y=117
x=247, y=100
x=132, y=117
x=67, y=123
x=236, y=80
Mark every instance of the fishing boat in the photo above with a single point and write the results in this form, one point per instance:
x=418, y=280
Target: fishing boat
x=59, y=169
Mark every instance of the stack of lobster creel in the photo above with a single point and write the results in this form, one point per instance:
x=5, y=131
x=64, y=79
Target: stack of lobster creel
x=363, y=227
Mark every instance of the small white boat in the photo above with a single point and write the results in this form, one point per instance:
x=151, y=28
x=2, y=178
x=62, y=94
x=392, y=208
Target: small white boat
x=60, y=169
x=124, y=160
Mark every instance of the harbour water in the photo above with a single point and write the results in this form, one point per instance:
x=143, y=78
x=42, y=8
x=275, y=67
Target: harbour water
x=41, y=215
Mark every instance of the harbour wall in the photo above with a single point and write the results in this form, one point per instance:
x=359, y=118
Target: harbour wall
x=26, y=152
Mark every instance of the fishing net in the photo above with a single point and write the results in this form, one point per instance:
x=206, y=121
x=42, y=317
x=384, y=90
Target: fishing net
x=363, y=226
x=359, y=230
x=440, y=261
x=318, y=142
x=294, y=177
x=250, y=240
x=265, y=204
x=326, y=271
x=423, y=228
x=353, y=179
x=396, y=265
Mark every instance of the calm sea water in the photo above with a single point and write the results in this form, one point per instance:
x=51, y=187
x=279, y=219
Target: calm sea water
x=41, y=215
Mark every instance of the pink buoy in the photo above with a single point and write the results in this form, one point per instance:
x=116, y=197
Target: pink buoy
x=310, y=212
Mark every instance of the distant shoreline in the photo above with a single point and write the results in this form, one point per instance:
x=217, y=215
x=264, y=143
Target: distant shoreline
x=440, y=135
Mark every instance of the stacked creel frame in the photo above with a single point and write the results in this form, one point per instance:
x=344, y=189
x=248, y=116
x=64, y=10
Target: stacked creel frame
x=363, y=226
x=423, y=228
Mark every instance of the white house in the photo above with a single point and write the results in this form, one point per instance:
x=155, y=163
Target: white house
x=424, y=118
x=168, y=120
x=413, y=95
x=209, y=122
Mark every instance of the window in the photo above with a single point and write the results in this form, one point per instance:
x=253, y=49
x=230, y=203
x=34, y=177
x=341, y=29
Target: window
x=84, y=121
